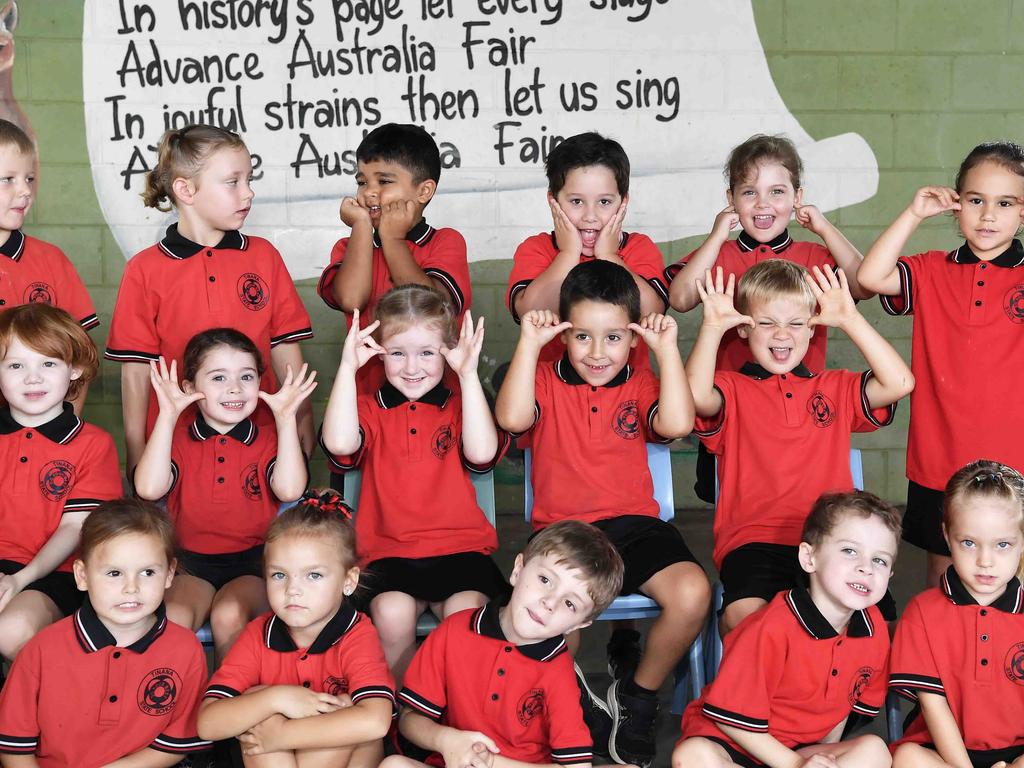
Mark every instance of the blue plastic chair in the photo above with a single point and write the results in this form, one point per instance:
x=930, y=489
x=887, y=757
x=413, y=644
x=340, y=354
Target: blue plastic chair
x=659, y=461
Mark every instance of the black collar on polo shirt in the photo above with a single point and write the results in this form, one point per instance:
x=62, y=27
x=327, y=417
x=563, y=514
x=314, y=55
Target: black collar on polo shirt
x=1011, y=257
x=1011, y=601
x=569, y=375
x=418, y=235
x=778, y=244
x=244, y=431
x=485, y=621
x=61, y=429
x=93, y=636
x=623, y=239
x=14, y=246
x=814, y=624
x=177, y=246
x=277, y=637
x=755, y=371
x=389, y=397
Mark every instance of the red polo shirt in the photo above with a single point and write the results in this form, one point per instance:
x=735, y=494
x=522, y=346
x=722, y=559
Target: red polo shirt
x=782, y=441
x=220, y=497
x=173, y=290
x=440, y=253
x=466, y=675
x=34, y=270
x=966, y=358
x=972, y=655
x=345, y=658
x=75, y=698
x=787, y=672
x=421, y=443
x=64, y=465
x=535, y=254
x=589, y=445
x=736, y=257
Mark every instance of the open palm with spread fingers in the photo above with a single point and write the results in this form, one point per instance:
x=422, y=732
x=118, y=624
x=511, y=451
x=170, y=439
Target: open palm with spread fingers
x=294, y=389
x=717, y=296
x=360, y=345
x=169, y=395
x=832, y=292
x=465, y=355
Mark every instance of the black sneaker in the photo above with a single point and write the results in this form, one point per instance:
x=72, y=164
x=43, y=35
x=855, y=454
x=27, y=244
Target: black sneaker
x=623, y=653
x=595, y=714
x=633, y=726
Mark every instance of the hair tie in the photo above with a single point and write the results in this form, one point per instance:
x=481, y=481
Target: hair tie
x=988, y=477
x=329, y=502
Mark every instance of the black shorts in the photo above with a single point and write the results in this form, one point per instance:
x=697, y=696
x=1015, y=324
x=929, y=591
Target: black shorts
x=218, y=570
x=922, y=522
x=647, y=545
x=764, y=570
x=434, y=579
x=59, y=586
x=986, y=758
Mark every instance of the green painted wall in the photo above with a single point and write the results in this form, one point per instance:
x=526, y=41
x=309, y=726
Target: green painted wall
x=921, y=80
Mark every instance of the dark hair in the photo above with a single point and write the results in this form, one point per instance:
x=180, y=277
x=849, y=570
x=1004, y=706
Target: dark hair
x=1006, y=154
x=408, y=145
x=744, y=159
x=119, y=517
x=201, y=344
x=318, y=515
x=984, y=478
x=52, y=332
x=584, y=548
x=603, y=281
x=830, y=508
x=583, y=151
x=12, y=135
x=183, y=153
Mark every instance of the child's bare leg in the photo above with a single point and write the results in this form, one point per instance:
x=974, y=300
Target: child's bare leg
x=737, y=611
x=861, y=752
x=937, y=565
x=270, y=760
x=394, y=615
x=236, y=604
x=684, y=595
x=460, y=601
x=188, y=601
x=915, y=756
x=367, y=755
x=700, y=753
x=397, y=761
x=26, y=614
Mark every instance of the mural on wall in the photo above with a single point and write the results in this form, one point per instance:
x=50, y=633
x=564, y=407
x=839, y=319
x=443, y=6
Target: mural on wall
x=9, y=107
x=678, y=82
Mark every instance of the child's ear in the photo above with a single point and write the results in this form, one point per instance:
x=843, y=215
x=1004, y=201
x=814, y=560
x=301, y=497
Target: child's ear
x=743, y=331
x=187, y=387
x=798, y=198
x=564, y=336
x=728, y=196
x=172, y=568
x=184, y=190
x=805, y=554
x=76, y=373
x=351, y=580
x=945, y=536
x=516, y=568
x=81, y=581
x=635, y=340
x=426, y=190
x=584, y=625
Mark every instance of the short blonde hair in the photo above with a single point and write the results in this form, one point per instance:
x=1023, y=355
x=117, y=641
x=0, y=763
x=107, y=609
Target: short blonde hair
x=771, y=279
x=983, y=478
x=407, y=305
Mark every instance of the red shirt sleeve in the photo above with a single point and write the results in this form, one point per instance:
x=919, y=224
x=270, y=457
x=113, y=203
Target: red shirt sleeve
x=98, y=476
x=568, y=736
x=643, y=258
x=289, y=320
x=19, y=703
x=423, y=687
x=912, y=664
x=445, y=261
x=650, y=392
x=531, y=258
x=325, y=286
x=365, y=669
x=909, y=269
x=133, y=333
x=711, y=430
x=864, y=418
x=241, y=668
x=181, y=733
x=368, y=429
x=74, y=297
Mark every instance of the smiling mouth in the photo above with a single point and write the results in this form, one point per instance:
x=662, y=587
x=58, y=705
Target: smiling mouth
x=129, y=606
x=764, y=221
x=374, y=210
x=34, y=395
x=534, y=617
x=233, y=405
x=858, y=587
x=781, y=354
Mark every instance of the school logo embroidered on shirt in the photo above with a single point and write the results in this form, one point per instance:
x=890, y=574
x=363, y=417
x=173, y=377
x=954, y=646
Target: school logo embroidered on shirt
x=335, y=685
x=530, y=705
x=860, y=683
x=253, y=291
x=822, y=410
x=1013, y=304
x=38, y=293
x=158, y=691
x=251, y=482
x=56, y=479
x=627, y=420
x=1014, y=663
x=443, y=441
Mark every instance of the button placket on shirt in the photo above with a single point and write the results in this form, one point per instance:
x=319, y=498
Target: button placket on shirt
x=113, y=691
x=978, y=308
x=414, y=432
x=220, y=484
x=794, y=411
x=494, y=701
x=213, y=282
x=595, y=418
x=985, y=665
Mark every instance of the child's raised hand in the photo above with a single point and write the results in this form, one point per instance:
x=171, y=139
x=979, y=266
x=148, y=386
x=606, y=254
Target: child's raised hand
x=717, y=297
x=284, y=403
x=396, y=219
x=610, y=236
x=832, y=292
x=460, y=748
x=9, y=587
x=169, y=395
x=360, y=345
x=540, y=326
x=810, y=218
x=658, y=331
x=726, y=221
x=931, y=201
x=465, y=355
x=352, y=213
x=566, y=234
x=294, y=701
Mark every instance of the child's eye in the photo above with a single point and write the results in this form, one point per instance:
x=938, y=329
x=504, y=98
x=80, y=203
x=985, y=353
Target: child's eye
x=14, y=366
x=315, y=576
x=779, y=191
x=570, y=605
x=797, y=324
x=395, y=353
x=543, y=579
x=148, y=572
x=49, y=364
x=1004, y=544
x=575, y=201
x=31, y=179
x=6, y=179
x=360, y=183
x=582, y=336
x=614, y=337
x=219, y=377
x=606, y=201
x=427, y=353
x=882, y=562
x=247, y=377
x=766, y=324
x=974, y=200
x=276, y=576
x=967, y=543
x=113, y=573
x=848, y=551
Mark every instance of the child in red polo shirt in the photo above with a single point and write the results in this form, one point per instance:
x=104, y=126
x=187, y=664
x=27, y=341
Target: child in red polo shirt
x=793, y=672
x=57, y=468
x=959, y=648
x=780, y=431
x=224, y=475
x=588, y=191
x=968, y=308
x=764, y=192
x=494, y=686
x=397, y=171
x=116, y=681
x=307, y=681
x=203, y=274
x=588, y=417
x=423, y=539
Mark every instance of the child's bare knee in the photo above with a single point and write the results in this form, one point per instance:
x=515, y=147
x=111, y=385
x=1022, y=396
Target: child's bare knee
x=696, y=753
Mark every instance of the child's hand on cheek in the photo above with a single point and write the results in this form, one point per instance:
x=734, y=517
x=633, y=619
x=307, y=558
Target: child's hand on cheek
x=396, y=219
x=566, y=234
x=610, y=236
x=539, y=326
x=465, y=355
x=726, y=221
x=353, y=214
x=659, y=331
x=716, y=295
x=810, y=218
x=169, y=396
x=360, y=345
